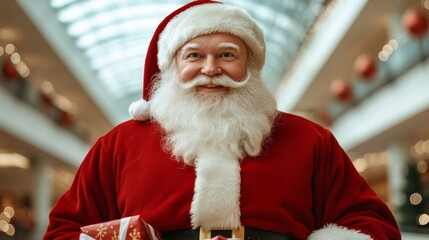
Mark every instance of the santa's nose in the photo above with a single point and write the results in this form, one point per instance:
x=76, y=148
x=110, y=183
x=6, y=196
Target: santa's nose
x=210, y=67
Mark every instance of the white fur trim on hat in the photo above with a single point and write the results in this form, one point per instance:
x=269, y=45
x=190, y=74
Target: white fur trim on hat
x=335, y=232
x=216, y=202
x=210, y=18
x=140, y=110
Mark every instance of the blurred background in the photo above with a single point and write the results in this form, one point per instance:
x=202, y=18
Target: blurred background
x=70, y=69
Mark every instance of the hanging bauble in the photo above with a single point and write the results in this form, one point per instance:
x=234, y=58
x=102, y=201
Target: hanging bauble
x=65, y=119
x=416, y=22
x=326, y=118
x=365, y=67
x=9, y=70
x=46, y=99
x=340, y=89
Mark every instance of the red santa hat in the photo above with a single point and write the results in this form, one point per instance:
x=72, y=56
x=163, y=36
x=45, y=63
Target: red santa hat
x=194, y=19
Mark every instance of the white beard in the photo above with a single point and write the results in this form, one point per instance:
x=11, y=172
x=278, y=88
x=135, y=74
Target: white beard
x=234, y=123
x=213, y=132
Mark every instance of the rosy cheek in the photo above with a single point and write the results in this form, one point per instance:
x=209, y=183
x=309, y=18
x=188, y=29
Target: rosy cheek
x=186, y=74
x=238, y=73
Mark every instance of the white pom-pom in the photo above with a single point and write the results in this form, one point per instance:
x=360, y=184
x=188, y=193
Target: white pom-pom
x=333, y=231
x=139, y=110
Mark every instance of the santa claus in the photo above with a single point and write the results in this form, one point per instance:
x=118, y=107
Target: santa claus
x=208, y=154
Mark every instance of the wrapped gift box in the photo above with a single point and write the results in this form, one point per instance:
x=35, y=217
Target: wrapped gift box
x=129, y=228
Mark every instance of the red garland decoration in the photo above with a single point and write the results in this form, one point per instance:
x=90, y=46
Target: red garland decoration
x=416, y=22
x=341, y=90
x=65, y=119
x=365, y=67
x=46, y=100
x=9, y=70
x=325, y=118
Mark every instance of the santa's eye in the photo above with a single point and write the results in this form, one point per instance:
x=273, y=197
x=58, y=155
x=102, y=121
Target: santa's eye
x=193, y=55
x=227, y=55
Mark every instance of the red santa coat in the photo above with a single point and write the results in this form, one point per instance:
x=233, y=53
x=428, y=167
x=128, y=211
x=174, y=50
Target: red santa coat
x=300, y=183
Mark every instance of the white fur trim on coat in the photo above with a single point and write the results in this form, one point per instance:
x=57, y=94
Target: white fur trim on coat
x=139, y=110
x=194, y=22
x=335, y=232
x=216, y=202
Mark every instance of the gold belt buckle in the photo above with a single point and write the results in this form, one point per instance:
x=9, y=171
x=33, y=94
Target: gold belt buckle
x=236, y=233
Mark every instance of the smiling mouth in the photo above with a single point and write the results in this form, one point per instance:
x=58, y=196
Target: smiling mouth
x=211, y=88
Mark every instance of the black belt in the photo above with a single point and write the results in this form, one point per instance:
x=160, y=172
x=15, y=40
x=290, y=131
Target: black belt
x=249, y=234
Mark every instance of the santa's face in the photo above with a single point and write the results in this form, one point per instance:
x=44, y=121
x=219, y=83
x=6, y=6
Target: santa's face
x=212, y=55
x=212, y=100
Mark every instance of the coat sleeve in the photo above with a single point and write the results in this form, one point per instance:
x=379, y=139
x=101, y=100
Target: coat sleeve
x=90, y=199
x=346, y=206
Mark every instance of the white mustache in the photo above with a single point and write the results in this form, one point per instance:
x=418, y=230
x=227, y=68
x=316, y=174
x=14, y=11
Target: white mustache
x=223, y=80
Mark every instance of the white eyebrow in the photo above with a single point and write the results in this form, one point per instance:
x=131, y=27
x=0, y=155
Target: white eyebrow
x=229, y=45
x=188, y=46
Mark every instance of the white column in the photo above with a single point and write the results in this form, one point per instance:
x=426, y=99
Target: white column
x=42, y=198
x=396, y=171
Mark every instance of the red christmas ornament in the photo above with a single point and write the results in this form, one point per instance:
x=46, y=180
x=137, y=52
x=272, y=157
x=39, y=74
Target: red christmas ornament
x=9, y=70
x=46, y=99
x=341, y=90
x=65, y=119
x=325, y=118
x=366, y=67
x=416, y=22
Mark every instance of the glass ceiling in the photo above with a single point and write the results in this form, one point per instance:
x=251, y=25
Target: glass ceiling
x=113, y=35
